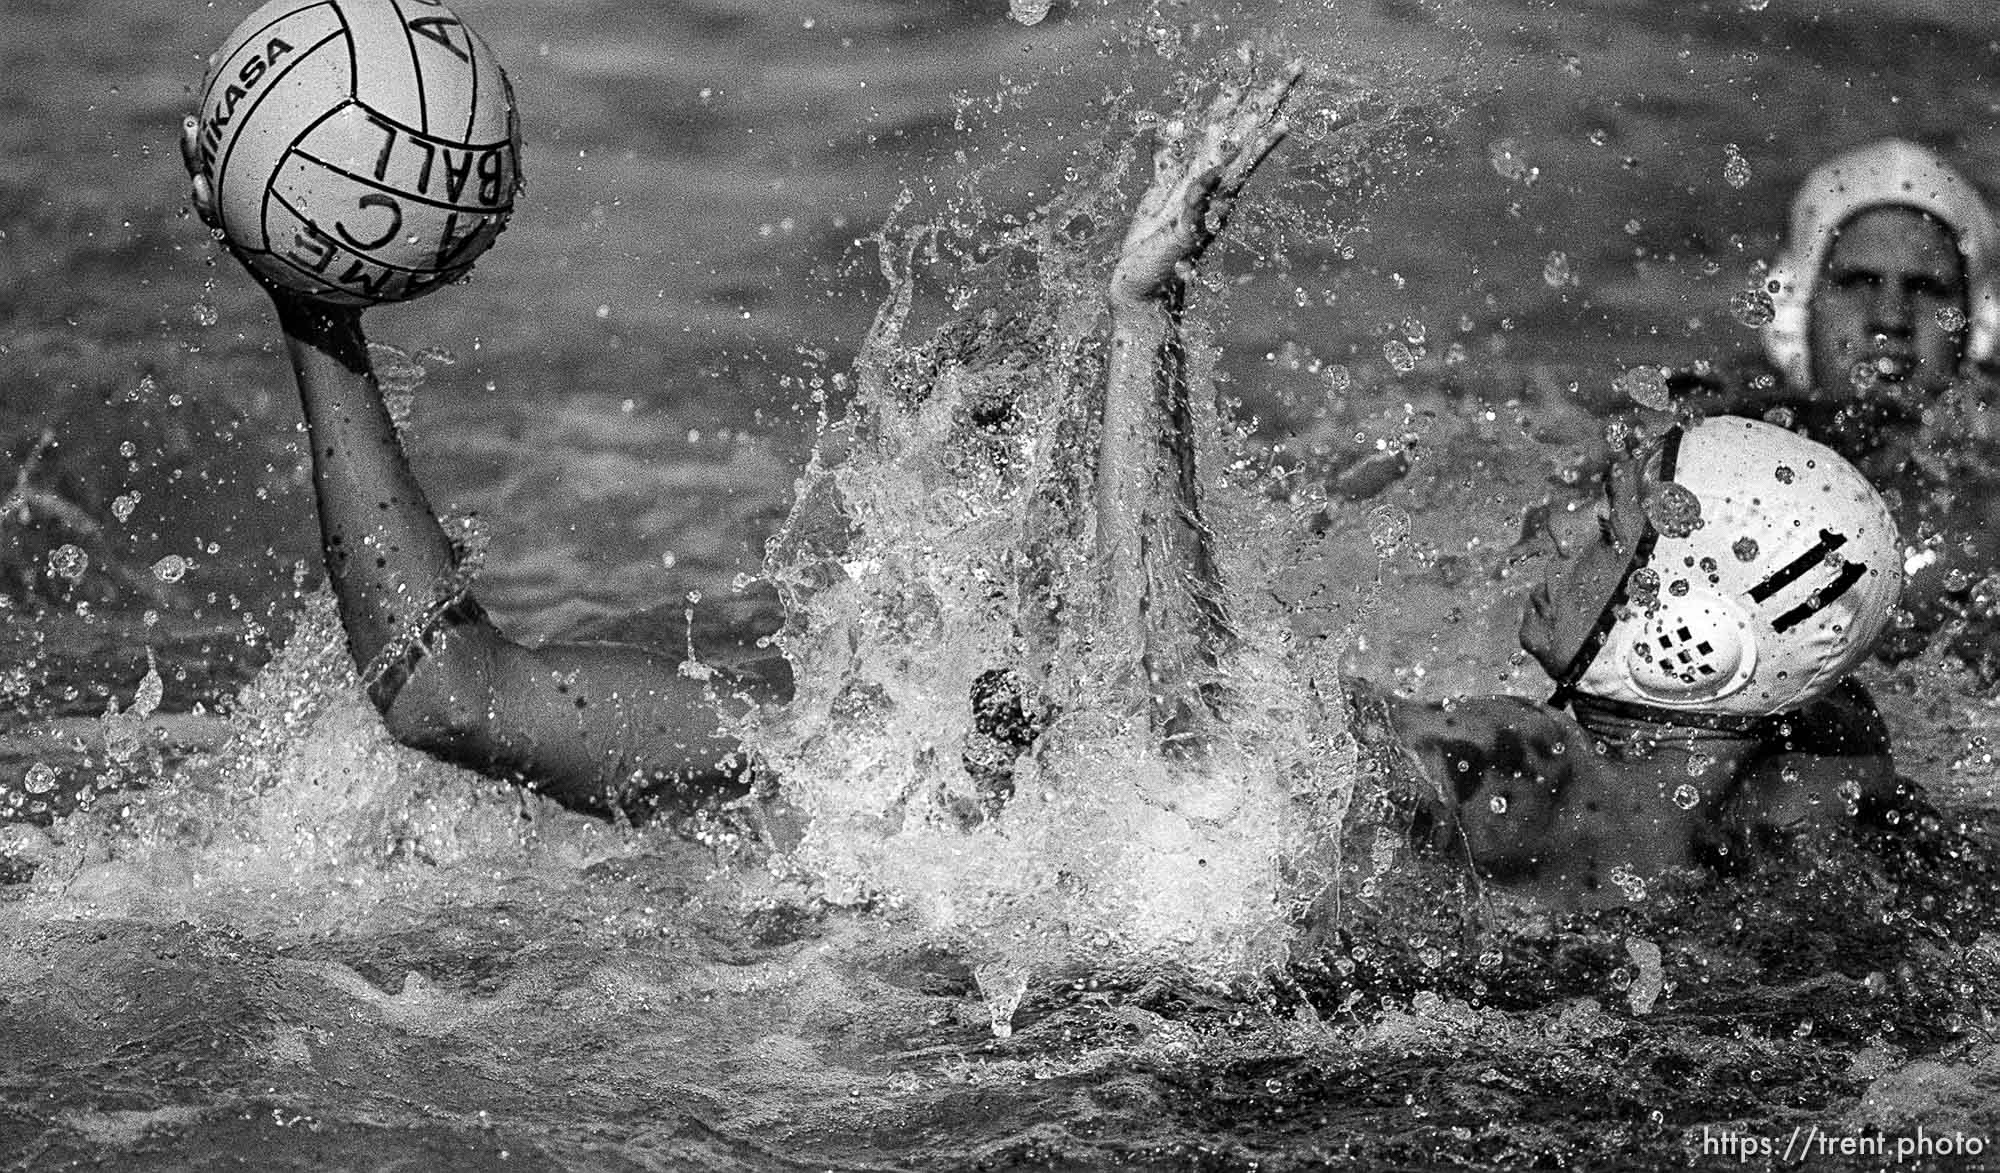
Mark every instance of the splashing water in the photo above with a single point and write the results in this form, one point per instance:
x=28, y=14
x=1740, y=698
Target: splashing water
x=313, y=946
x=956, y=554
x=940, y=543
x=307, y=795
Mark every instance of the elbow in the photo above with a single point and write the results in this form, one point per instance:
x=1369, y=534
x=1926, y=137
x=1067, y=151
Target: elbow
x=446, y=704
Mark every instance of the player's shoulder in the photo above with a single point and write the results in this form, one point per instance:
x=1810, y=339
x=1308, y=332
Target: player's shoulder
x=1843, y=723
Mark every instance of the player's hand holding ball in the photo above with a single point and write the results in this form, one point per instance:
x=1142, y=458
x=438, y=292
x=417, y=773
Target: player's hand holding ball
x=353, y=152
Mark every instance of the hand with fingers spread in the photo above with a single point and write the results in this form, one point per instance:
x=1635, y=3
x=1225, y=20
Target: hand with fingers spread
x=1198, y=173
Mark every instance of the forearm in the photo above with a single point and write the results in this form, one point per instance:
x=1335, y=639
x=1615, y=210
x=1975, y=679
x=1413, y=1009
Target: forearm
x=1140, y=334
x=1161, y=610
x=590, y=725
x=597, y=727
x=386, y=555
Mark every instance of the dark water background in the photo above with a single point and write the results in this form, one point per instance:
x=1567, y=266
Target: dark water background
x=283, y=970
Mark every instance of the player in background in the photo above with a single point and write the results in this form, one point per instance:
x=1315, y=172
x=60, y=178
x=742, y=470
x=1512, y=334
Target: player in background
x=1884, y=343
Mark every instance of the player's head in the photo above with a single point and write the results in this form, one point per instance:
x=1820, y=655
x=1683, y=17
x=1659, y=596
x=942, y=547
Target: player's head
x=1887, y=279
x=1741, y=570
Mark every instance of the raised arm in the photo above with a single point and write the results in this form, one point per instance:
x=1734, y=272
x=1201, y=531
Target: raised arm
x=598, y=727
x=1162, y=610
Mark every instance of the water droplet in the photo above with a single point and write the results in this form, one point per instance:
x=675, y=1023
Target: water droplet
x=1643, y=587
x=1646, y=386
x=171, y=568
x=40, y=779
x=1752, y=307
x=1556, y=271
x=68, y=561
x=1505, y=155
x=1674, y=509
x=151, y=690
x=1388, y=528
x=1736, y=169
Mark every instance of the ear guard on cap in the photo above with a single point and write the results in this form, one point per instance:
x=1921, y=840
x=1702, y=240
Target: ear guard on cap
x=1698, y=648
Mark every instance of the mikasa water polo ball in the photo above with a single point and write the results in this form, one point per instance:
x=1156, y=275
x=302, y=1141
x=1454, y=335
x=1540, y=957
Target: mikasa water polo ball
x=360, y=151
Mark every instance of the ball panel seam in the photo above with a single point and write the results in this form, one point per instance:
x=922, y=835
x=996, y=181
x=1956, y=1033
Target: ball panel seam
x=219, y=173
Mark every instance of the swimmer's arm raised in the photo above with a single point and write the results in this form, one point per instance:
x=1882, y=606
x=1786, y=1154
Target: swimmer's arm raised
x=1146, y=452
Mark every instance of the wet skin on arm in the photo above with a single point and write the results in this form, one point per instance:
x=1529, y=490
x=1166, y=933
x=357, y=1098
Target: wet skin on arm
x=599, y=727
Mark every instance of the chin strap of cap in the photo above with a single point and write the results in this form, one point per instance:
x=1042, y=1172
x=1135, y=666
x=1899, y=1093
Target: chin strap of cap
x=1642, y=552
x=1590, y=712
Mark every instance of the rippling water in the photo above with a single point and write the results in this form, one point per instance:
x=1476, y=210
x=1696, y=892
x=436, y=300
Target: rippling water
x=303, y=947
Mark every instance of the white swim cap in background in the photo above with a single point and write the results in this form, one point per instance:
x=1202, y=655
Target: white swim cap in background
x=1888, y=174
x=1772, y=570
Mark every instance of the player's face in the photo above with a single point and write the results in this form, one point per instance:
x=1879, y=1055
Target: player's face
x=1592, y=555
x=1888, y=311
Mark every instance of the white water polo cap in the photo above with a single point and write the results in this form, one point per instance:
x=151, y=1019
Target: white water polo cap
x=1768, y=569
x=1891, y=173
